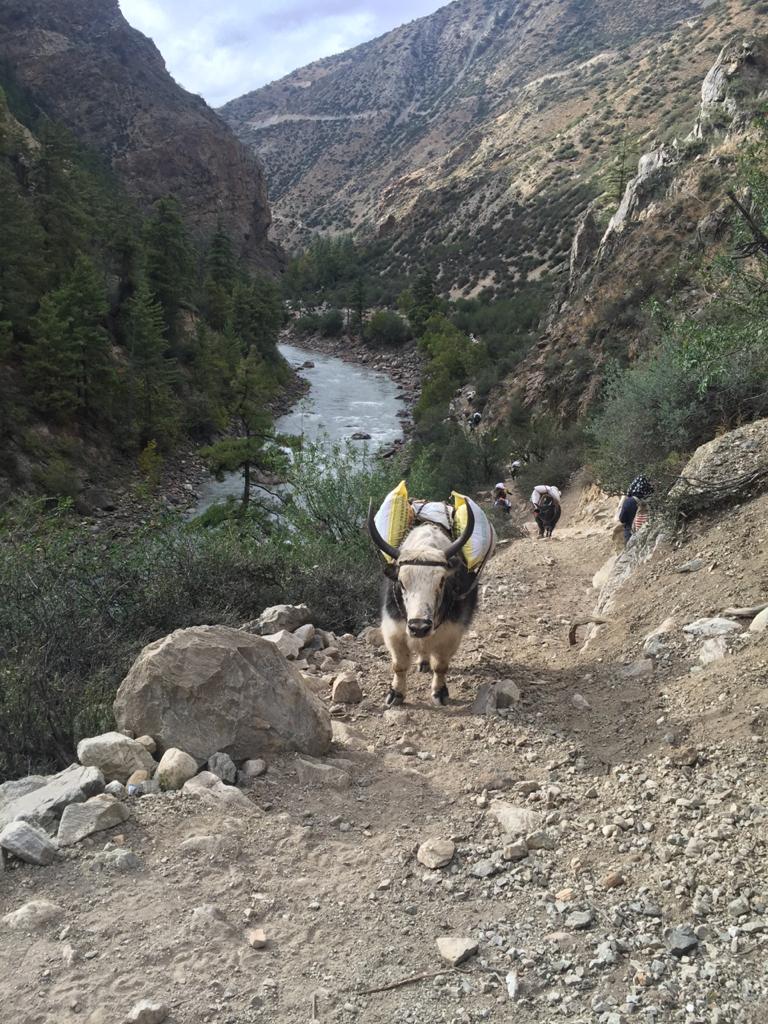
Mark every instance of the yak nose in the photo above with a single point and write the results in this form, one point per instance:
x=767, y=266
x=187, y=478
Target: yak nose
x=419, y=627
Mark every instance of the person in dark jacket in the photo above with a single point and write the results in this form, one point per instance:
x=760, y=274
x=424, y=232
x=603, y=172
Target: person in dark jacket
x=637, y=492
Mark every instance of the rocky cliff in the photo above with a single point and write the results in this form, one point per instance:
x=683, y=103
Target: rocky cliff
x=477, y=136
x=86, y=67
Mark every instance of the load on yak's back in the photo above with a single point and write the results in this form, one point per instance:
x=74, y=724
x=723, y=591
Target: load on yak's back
x=434, y=552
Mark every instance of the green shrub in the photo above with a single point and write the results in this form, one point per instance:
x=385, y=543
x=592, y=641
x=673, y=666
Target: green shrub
x=331, y=323
x=387, y=328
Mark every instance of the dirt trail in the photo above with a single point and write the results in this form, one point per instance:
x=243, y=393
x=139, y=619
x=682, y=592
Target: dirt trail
x=576, y=930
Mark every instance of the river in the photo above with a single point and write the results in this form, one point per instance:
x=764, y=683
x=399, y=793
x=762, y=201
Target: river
x=343, y=399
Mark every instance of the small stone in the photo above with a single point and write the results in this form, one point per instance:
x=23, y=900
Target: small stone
x=484, y=869
x=33, y=916
x=612, y=880
x=507, y=693
x=314, y=773
x=638, y=669
x=346, y=689
x=436, y=853
x=211, y=790
x=117, y=860
x=514, y=820
x=456, y=949
x=257, y=938
x=117, y=790
x=691, y=566
x=681, y=940
x=250, y=770
x=223, y=767
x=578, y=920
x=580, y=702
x=29, y=843
x=711, y=627
x=306, y=634
x=288, y=644
x=147, y=1012
x=760, y=622
x=148, y=743
x=685, y=757
x=540, y=840
x=175, y=769
x=81, y=820
x=115, y=755
x=515, y=851
x=138, y=778
x=714, y=649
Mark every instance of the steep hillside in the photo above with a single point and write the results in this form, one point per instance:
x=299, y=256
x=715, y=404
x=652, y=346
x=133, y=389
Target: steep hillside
x=88, y=69
x=476, y=136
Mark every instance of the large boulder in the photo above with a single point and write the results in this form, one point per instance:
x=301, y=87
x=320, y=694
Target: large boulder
x=115, y=755
x=81, y=820
x=28, y=842
x=211, y=688
x=731, y=467
x=44, y=804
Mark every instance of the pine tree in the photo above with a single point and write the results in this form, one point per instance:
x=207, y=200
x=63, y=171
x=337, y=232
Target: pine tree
x=258, y=447
x=51, y=359
x=256, y=316
x=85, y=300
x=220, y=274
x=169, y=262
x=425, y=302
x=64, y=200
x=357, y=307
x=152, y=372
x=21, y=252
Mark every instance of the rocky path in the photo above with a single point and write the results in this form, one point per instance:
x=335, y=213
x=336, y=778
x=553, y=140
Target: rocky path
x=592, y=868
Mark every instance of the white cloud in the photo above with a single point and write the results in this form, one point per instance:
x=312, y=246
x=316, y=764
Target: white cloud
x=226, y=48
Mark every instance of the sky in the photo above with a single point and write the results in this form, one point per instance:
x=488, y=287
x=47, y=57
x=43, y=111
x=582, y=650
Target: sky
x=224, y=48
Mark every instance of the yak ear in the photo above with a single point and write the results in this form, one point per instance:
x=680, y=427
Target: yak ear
x=390, y=571
x=454, y=564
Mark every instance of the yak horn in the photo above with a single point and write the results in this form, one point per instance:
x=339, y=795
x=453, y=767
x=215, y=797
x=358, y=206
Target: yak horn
x=459, y=544
x=376, y=537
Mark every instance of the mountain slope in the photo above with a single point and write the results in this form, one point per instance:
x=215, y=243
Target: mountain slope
x=89, y=70
x=474, y=137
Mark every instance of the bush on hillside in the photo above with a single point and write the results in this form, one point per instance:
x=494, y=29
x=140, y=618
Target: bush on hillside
x=386, y=329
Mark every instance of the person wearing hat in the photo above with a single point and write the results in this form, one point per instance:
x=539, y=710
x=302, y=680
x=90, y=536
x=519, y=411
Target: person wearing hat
x=632, y=513
x=501, y=500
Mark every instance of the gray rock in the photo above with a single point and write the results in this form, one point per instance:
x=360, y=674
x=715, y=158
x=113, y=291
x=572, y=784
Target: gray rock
x=691, y=566
x=492, y=696
x=638, y=669
x=515, y=821
x=580, y=702
x=714, y=649
x=223, y=767
x=540, y=840
x=436, y=853
x=29, y=843
x=515, y=851
x=760, y=622
x=211, y=790
x=117, y=790
x=711, y=627
x=456, y=949
x=288, y=644
x=507, y=693
x=306, y=634
x=17, y=788
x=578, y=920
x=681, y=940
x=484, y=869
x=280, y=616
x=314, y=773
x=115, y=755
x=44, y=804
x=250, y=770
x=147, y=1012
x=346, y=689
x=210, y=688
x=81, y=820
x=117, y=860
x=33, y=916
x=175, y=768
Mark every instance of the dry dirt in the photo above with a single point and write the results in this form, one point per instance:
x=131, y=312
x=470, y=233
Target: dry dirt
x=331, y=875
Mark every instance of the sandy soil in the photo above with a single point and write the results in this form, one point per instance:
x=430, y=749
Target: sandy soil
x=331, y=876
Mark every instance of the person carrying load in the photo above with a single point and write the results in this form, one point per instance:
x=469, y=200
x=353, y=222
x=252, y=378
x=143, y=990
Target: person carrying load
x=545, y=501
x=633, y=510
x=501, y=501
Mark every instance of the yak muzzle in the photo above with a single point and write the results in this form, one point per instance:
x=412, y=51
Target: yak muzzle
x=419, y=627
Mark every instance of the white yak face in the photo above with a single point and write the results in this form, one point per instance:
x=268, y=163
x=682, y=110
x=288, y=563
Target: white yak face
x=421, y=590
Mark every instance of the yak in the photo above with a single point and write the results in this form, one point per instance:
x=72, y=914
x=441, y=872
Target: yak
x=429, y=599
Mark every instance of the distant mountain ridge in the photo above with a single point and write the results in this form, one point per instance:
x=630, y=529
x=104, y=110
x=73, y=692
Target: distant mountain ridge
x=88, y=69
x=480, y=133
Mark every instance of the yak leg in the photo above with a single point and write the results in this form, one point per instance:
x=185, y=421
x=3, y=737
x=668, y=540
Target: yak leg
x=444, y=645
x=397, y=645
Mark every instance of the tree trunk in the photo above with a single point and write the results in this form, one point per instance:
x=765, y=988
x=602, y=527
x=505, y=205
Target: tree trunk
x=246, y=483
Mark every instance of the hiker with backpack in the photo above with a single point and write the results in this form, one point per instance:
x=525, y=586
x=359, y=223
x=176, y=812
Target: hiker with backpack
x=633, y=510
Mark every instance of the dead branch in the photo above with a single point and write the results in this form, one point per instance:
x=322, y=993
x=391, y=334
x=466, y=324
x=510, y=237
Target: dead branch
x=761, y=239
x=745, y=613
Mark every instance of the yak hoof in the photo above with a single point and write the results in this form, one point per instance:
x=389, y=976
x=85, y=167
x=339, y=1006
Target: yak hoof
x=440, y=697
x=394, y=698
x=423, y=666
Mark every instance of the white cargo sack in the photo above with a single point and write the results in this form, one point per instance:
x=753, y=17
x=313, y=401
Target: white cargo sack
x=394, y=517
x=481, y=544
